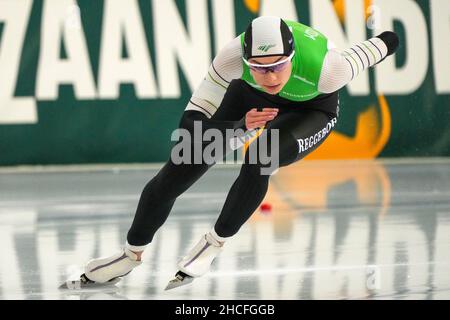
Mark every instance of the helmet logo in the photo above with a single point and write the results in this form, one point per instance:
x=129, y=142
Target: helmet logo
x=266, y=47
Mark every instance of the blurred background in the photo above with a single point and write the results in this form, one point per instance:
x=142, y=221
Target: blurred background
x=107, y=81
x=100, y=85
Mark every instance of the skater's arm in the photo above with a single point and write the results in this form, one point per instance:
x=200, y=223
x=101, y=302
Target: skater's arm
x=230, y=115
x=226, y=66
x=253, y=119
x=191, y=116
x=341, y=67
x=212, y=103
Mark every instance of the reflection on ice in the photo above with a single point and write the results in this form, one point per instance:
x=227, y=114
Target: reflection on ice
x=338, y=230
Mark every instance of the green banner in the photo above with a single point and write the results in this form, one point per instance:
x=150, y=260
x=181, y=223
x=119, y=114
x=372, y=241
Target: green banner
x=107, y=81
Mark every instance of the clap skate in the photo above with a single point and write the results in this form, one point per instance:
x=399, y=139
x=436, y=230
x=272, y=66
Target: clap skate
x=104, y=272
x=197, y=262
x=84, y=283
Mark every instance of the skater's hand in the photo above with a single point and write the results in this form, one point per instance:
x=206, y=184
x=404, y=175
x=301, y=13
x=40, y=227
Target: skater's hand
x=257, y=119
x=391, y=41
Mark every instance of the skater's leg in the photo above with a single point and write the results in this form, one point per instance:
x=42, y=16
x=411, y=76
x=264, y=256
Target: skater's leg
x=158, y=198
x=154, y=206
x=251, y=186
x=159, y=195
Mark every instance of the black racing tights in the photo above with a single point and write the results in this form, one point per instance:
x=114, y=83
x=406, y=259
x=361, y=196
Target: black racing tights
x=301, y=131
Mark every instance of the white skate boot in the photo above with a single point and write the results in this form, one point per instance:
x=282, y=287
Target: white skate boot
x=105, y=271
x=197, y=262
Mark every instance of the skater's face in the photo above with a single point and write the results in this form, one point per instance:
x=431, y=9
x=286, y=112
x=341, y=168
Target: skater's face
x=271, y=79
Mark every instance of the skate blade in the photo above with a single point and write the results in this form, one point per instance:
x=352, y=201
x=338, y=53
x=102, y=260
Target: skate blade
x=79, y=284
x=181, y=279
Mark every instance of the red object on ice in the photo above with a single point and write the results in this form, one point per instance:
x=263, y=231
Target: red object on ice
x=266, y=207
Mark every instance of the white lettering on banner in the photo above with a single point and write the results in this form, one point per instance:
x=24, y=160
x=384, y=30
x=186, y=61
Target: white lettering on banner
x=373, y=20
x=440, y=29
x=54, y=71
x=224, y=29
x=124, y=22
x=174, y=44
x=324, y=18
x=408, y=78
x=189, y=47
x=14, y=15
x=281, y=8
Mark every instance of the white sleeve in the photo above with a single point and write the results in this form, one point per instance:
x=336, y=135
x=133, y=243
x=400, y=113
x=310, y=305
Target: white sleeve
x=340, y=67
x=226, y=66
